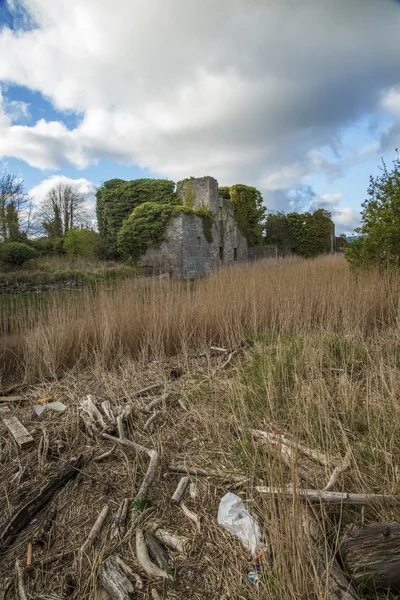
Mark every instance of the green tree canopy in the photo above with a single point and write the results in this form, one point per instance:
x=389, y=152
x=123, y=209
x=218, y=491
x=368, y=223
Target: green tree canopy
x=116, y=199
x=82, y=241
x=379, y=241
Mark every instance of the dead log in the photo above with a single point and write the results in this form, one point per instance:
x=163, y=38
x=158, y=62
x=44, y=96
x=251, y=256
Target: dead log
x=113, y=579
x=333, y=581
x=330, y=497
x=151, y=470
x=37, y=500
x=372, y=555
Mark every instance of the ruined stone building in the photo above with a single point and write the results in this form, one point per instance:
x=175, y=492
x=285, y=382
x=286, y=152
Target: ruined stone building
x=185, y=251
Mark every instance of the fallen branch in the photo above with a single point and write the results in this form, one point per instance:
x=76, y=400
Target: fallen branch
x=144, y=561
x=91, y=416
x=43, y=447
x=121, y=428
x=113, y=579
x=105, y=455
x=338, y=470
x=94, y=532
x=149, y=407
x=22, y=595
x=180, y=490
x=13, y=399
x=226, y=477
x=330, y=497
x=191, y=515
x=151, y=420
x=129, y=573
x=37, y=500
x=151, y=470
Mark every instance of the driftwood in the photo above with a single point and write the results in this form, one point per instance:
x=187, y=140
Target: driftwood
x=113, y=579
x=22, y=595
x=372, y=555
x=105, y=455
x=119, y=525
x=18, y=431
x=151, y=470
x=176, y=542
x=191, y=515
x=134, y=577
x=338, y=470
x=180, y=490
x=148, y=425
x=106, y=408
x=43, y=447
x=158, y=552
x=334, y=583
x=12, y=398
x=95, y=531
x=144, y=560
x=37, y=500
x=330, y=497
x=121, y=428
x=193, y=491
x=91, y=416
x=226, y=477
x=149, y=407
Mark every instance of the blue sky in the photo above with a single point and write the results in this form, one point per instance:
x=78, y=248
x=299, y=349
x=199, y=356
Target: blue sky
x=299, y=100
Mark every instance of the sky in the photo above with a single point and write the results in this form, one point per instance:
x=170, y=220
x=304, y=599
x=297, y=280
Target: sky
x=299, y=99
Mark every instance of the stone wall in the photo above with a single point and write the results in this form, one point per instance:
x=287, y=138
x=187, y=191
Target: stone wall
x=185, y=252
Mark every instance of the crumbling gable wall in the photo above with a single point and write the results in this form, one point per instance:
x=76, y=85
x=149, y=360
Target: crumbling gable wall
x=185, y=251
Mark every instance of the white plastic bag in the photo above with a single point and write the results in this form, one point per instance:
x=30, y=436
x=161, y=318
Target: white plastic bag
x=235, y=518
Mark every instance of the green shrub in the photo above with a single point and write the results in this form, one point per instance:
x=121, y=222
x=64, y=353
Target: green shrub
x=82, y=241
x=48, y=246
x=14, y=254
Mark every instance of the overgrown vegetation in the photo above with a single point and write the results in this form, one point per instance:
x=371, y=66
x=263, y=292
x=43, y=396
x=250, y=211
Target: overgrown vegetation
x=305, y=234
x=116, y=199
x=379, y=241
x=249, y=211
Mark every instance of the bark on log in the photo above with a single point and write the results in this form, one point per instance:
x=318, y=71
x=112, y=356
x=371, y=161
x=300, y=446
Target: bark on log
x=114, y=581
x=330, y=497
x=37, y=500
x=334, y=583
x=372, y=555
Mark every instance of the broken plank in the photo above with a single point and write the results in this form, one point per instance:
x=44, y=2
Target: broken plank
x=18, y=431
x=37, y=500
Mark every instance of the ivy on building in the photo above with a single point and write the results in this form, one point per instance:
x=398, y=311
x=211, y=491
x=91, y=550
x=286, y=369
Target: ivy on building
x=249, y=211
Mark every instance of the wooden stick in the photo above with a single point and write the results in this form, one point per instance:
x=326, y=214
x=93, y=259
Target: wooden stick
x=22, y=595
x=180, y=489
x=149, y=407
x=155, y=595
x=121, y=428
x=226, y=477
x=129, y=573
x=142, y=555
x=94, y=532
x=151, y=470
x=13, y=399
x=338, y=470
x=37, y=500
x=151, y=420
x=217, y=349
x=330, y=497
x=43, y=447
x=148, y=389
x=191, y=515
x=29, y=553
x=105, y=455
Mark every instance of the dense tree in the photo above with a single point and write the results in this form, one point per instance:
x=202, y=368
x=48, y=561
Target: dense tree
x=379, y=241
x=82, y=241
x=61, y=210
x=14, y=208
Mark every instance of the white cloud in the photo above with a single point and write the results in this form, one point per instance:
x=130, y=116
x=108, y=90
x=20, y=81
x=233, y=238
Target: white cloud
x=251, y=90
x=86, y=188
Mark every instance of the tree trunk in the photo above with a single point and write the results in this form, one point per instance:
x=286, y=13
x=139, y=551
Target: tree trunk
x=372, y=554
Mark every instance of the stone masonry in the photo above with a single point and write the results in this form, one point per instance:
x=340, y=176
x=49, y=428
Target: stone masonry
x=185, y=252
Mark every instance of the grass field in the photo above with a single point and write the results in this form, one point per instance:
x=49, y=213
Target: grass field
x=318, y=358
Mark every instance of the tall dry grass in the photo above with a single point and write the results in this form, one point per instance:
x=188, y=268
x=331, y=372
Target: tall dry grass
x=152, y=318
x=322, y=363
